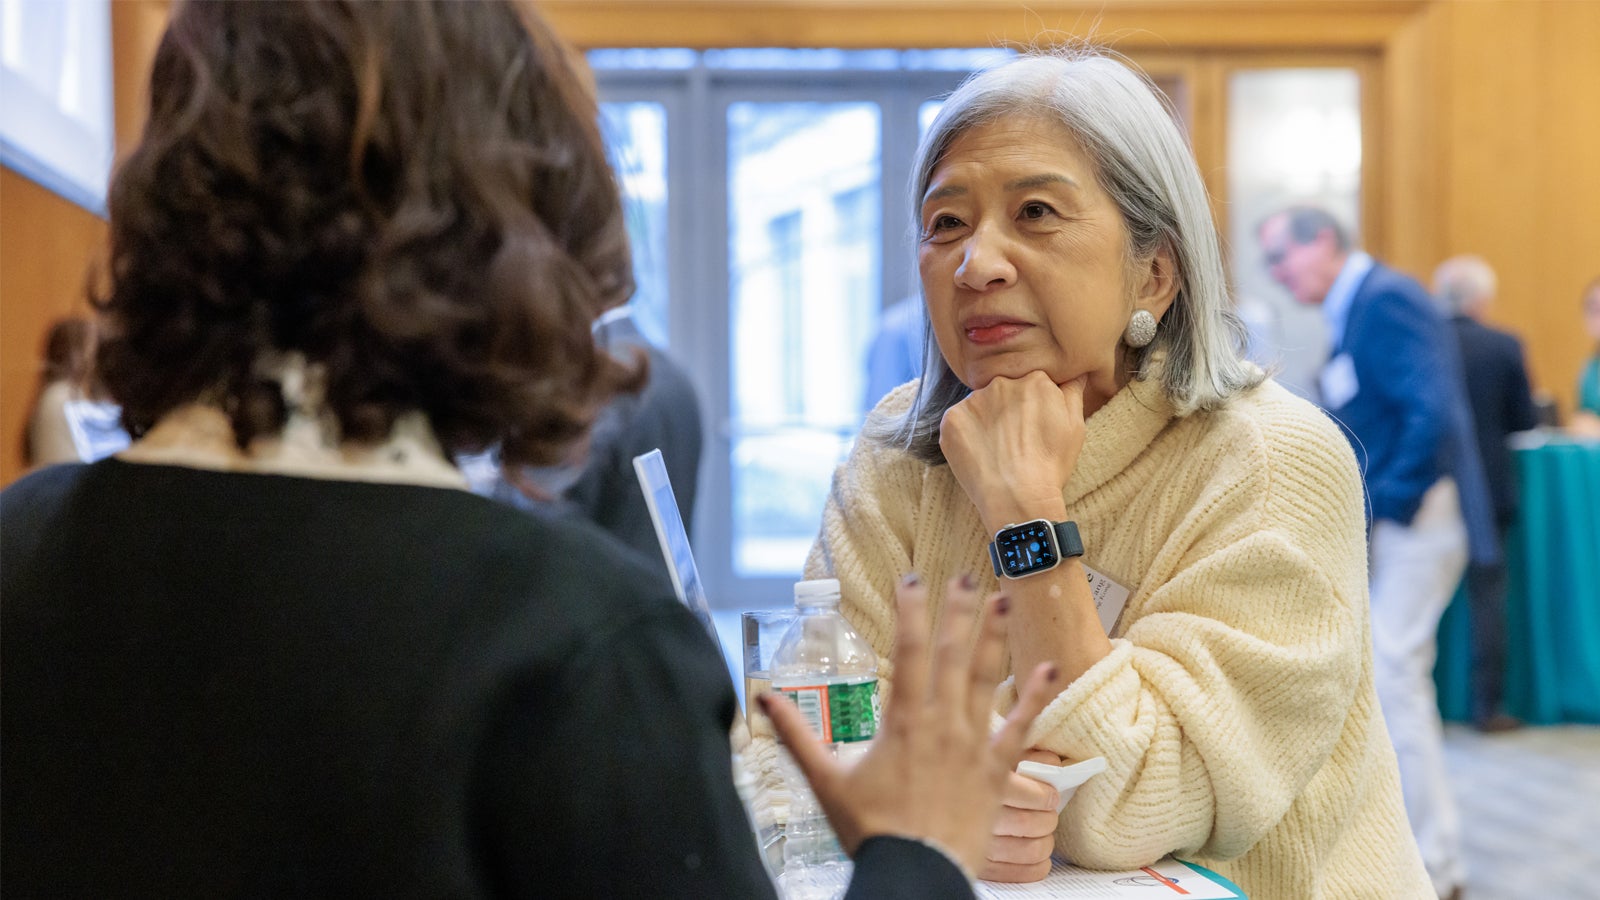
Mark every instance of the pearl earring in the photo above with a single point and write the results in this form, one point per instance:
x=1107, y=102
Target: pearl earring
x=1141, y=329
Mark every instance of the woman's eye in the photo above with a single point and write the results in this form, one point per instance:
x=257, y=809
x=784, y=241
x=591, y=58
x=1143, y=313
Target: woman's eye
x=945, y=223
x=1036, y=210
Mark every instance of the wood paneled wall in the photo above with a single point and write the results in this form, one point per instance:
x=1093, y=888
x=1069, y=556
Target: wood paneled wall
x=1489, y=123
x=1130, y=24
x=1489, y=110
x=1517, y=145
x=48, y=244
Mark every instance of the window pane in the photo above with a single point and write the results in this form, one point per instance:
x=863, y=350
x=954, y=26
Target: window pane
x=792, y=58
x=804, y=196
x=643, y=58
x=55, y=76
x=636, y=136
x=953, y=59
x=1294, y=136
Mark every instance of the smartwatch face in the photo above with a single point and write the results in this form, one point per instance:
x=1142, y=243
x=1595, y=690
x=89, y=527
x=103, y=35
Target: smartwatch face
x=1029, y=547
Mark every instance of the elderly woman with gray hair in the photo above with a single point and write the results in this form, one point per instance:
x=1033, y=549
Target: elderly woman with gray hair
x=1085, y=406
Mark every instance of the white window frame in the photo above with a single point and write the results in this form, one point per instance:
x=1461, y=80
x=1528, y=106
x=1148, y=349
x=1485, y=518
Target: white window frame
x=696, y=100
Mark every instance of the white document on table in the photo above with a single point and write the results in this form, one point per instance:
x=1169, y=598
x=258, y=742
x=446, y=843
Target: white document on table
x=1167, y=878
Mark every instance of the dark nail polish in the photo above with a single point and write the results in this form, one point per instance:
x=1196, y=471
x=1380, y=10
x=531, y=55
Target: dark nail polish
x=1052, y=673
x=911, y=579
x=969, y=581
x=1002, y=604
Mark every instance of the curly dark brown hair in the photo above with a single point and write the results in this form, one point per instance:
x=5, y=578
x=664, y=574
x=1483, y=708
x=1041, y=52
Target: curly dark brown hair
x=413, y=195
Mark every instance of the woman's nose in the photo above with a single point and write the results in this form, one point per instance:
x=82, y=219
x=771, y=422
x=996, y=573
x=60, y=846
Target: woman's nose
x=985, y=262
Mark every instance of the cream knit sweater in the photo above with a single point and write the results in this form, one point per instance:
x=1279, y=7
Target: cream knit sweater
x=1236, y=709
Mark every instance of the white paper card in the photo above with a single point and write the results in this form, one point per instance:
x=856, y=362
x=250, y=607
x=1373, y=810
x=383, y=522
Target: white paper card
x=1109, y=599
x=1338, y=382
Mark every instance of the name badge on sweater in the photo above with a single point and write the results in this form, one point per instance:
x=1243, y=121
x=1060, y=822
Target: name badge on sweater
x=1338, y=382
x=1109, y=599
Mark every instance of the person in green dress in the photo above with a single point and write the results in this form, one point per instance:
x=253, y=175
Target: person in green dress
x=1586, y=418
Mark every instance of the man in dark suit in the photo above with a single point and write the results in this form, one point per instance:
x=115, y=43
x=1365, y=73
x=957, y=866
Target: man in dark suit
x=599, y=485
x=1390, y=383
x=664, y=415
x=1502, y=403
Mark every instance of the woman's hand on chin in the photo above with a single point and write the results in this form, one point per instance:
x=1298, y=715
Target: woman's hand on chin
x=1013, y=444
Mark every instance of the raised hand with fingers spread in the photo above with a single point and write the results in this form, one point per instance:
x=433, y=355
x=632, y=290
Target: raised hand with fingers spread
x=935, y=773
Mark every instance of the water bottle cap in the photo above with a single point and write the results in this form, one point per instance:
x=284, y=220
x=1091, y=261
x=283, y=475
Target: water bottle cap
x=818, y=592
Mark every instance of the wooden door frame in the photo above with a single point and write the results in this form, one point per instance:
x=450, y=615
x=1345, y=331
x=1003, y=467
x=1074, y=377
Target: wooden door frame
x=1390, y=41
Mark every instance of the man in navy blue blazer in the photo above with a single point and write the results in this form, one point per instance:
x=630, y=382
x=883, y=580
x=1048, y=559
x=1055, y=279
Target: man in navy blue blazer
x=1391, y=381
x=1502, y=404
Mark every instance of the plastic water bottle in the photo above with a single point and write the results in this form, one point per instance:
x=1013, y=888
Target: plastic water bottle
x=831, y=674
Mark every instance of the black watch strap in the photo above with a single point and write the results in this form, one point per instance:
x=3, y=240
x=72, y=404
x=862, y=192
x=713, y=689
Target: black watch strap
x=1069, y=544
x=1068, y=541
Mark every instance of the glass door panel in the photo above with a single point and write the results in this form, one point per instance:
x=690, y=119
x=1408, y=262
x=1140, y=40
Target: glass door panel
x=1294, y=137
x=636, y=138
x=805, y=288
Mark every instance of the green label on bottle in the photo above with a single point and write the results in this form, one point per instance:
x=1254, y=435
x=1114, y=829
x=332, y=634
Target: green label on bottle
x=838, y=713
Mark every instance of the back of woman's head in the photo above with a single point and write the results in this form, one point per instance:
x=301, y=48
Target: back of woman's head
x=413, y=196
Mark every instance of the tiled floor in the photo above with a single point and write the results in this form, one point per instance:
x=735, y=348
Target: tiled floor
x=1530, y=811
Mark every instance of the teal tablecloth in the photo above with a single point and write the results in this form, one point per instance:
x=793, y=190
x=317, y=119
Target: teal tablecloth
x=1552, y=600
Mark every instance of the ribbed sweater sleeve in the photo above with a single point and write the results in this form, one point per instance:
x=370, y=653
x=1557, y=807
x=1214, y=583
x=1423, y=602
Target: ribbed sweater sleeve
x=1227, y=692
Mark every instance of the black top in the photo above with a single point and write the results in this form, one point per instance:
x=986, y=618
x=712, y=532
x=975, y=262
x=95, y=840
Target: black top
x=253, y=685
x=664, y=416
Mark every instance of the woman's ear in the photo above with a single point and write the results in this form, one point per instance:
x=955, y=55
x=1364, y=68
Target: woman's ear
x=1159, y=282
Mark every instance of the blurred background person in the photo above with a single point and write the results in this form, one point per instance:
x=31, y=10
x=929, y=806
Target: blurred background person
x=276, y=648
x=664, y=415
x=597, y=483
x=895, y=355
x=1586, y=418
x=63, y=378
x=1496, y=379
x=1392, y=383
x=72, y=418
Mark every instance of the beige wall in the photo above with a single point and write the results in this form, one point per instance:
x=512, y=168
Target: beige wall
x=1518, y=149
x=1130, y=24
x=46, y=245
x=1488, y=113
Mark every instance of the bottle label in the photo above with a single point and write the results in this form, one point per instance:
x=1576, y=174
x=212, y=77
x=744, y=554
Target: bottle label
x=839, y=713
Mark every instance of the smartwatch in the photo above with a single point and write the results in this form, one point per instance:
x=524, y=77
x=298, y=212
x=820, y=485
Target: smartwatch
x=1018, y=551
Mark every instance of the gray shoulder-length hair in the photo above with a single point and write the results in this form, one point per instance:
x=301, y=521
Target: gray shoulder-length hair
x=1142, y=160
